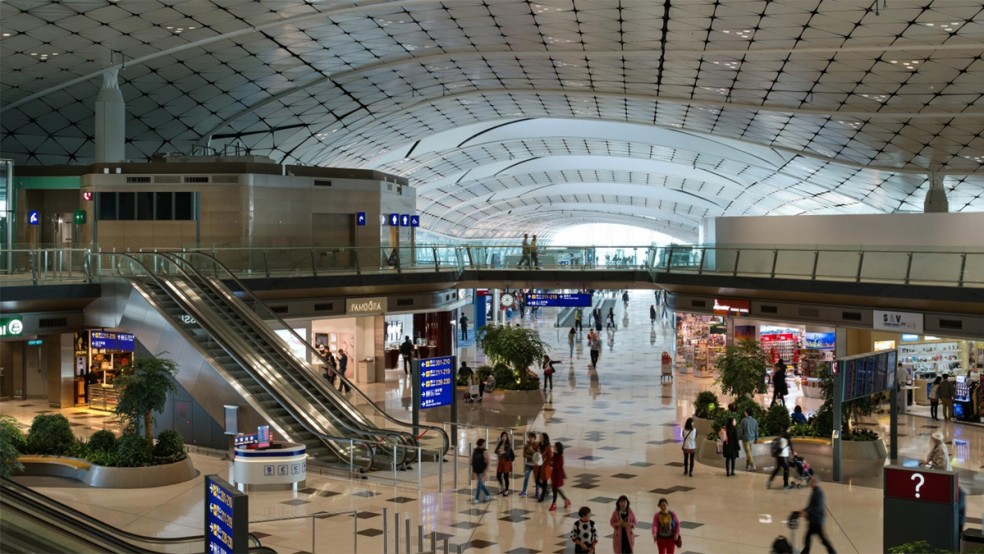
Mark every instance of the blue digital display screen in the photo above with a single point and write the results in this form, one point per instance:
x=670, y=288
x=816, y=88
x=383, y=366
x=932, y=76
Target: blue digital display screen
x=869, y=374
x=436, y=382
x=219, y=516
x=122, y=342
x=558, y=299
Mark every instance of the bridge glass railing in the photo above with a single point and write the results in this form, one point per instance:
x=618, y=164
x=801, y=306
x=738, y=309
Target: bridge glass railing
x=918, y=267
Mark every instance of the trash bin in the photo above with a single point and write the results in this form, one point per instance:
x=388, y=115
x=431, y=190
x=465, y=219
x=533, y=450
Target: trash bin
x=365, y=371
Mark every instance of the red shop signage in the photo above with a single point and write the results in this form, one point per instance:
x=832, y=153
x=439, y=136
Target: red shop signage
x=778, y=338
x=731, y=306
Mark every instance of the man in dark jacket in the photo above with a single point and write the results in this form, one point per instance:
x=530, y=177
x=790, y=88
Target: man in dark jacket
x=406, y=350
x=814, y=514
x=946, y=394
x=343, y=385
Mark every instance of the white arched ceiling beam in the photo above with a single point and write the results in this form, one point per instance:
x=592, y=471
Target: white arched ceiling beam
x=547, y=219
x=505, y=207
x=532, y=192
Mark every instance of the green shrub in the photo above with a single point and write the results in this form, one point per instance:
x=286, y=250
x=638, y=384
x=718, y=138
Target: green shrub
x=918, y=547
x=11, y=446
x=803, y=430
x=50, y=434
x=170, y=446
x=483, y=372
x=132, y=450
x=721, y=418
x=862, y=435
x=104, y=441
x=705, y=404
x=11, y=433
x=776, y=421
x=758, y=412
x=107, y=458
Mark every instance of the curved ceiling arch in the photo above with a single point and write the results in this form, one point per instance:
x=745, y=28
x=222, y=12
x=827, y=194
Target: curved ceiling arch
x=495, y=209
x=547, y=221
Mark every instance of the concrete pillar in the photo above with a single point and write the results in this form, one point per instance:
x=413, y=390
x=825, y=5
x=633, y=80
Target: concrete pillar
x=936, y=201
x=110, y=121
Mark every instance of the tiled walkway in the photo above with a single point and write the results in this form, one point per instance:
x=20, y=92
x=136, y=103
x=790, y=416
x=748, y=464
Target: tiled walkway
x=621, y=429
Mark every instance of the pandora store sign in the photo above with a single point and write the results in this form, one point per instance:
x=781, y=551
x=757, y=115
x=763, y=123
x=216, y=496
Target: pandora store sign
x=366, y=306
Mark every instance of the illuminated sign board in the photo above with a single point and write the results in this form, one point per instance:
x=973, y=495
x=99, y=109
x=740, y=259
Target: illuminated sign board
x=555, y=299
x=226, y=517
x=394, y=220
x=34, y=217
x=405, y=220
x=122, y=342
x=731, y=306
x=360, y=218
x=436, y=384
x=366, y=306
x=868, y=374
x=415, y=221
x=11, y=326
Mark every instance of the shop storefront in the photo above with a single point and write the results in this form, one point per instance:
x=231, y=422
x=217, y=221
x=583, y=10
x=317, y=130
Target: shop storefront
x=99, y=357
x=700, y=340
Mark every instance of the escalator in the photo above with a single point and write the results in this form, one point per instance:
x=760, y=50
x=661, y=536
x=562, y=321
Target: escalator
x=33, y=522
x=278, y=384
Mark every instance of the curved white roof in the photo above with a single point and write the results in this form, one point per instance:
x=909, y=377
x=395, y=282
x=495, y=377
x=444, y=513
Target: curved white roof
x=512, y=115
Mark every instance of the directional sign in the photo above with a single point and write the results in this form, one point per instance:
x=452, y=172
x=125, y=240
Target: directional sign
x=405, y=220
x=551, y=299
x=436, y=388
x=415, y=221
x=360, y=218
x=34, y=217
x=394, y=220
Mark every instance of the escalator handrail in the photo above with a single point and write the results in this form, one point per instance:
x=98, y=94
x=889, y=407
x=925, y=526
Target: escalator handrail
x=325, y=438
x=257, y=301
x=264, y=332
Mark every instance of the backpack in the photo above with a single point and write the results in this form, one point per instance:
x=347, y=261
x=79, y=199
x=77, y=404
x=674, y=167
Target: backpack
x=478, y=462
x=776, y=446
x=781, y=545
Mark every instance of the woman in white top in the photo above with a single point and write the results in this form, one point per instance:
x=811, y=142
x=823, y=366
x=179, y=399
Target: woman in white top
x=939, y=457
x=934, y=398
x=689, y=446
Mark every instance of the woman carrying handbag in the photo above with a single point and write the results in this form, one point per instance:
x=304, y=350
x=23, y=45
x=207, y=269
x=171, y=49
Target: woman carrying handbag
x=689, y=446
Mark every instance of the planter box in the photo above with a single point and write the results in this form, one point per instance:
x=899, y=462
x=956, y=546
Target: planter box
x=515, y=397
x=110, y=477
x=858, y=458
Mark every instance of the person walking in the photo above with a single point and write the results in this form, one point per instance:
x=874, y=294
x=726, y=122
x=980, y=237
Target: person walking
x=730, y=447
x=406, y=352
x=578, y=316
x=504, y=456
x=463, y=323
x=782, y=449
x=546, y=468
x=934, y=399
x=779, y=387
x=480, y=467
x=584, y=535
x=666, y=529
x=594, y=340
x=571, y=341
x=525, y=259
x=625, y=299
x=652, y=315
x=814, y=514
x=623, y=522
x=946, y=393
x=557, y=476
x=548, y=373
x=689, y=446
x=939, y=457
x=529, y=450
x=748, y=430
x=534, y=255
x=343, y=385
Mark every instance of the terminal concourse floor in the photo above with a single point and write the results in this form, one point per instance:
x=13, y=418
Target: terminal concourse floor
x=621, y=429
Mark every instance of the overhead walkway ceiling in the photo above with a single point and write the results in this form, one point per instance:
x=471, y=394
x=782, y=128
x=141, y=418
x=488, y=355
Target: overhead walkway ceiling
x=513, y=116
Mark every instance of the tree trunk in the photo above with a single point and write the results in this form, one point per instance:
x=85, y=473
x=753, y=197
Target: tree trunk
x=149, y=426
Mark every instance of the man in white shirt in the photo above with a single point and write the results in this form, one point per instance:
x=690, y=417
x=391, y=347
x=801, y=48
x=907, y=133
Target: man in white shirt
x=901, y=381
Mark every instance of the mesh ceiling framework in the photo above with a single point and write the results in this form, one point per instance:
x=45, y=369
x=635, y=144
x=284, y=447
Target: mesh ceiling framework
x=514, y=116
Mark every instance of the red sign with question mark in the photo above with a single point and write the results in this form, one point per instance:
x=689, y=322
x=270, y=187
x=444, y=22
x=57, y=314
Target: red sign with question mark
x=921, y=485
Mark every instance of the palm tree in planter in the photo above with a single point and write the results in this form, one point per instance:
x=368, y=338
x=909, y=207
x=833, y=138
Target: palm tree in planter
x=743, y=369
x=143, y=388
x=516, y=347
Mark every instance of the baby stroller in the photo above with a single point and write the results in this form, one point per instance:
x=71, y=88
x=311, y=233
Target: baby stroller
x=803, y=472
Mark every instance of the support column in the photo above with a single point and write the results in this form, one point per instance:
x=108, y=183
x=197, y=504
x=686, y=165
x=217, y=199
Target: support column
x=110, y=118
x=936, y=201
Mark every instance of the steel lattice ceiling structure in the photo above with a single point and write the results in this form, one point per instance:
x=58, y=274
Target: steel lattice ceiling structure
x=511, y=115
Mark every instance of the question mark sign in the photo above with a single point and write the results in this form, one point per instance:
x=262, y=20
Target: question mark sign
x=922, y=481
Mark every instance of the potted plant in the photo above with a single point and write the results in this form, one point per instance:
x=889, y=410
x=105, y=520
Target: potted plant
x=143, y=388
x=743, y=367
x=516, y=348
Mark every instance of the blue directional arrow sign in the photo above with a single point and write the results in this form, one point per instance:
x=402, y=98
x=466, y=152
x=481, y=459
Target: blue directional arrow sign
x=405, y=220
x=415, y=221
x=394, y=220
x=34, y=217
x=360, y=218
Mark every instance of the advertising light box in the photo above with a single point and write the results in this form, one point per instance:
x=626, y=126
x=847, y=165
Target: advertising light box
x=436, y=384
x=558, y=299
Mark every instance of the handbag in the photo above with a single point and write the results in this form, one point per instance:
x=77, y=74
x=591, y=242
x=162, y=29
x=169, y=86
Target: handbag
x=718, y=449
x=678, y=541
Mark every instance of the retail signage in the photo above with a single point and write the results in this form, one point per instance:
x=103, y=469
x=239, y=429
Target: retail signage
x=360, y=218
x=226, y=517
x=909, y=338
x=35, y=342
x=394, y=220
x=34, y=217
x=899, y=322
x=821, y=341
x=436, y=385
x=778, y=337
x=366, y=306
x=404, y=220
x=415, y=221
x=731, y=306
x=122, y=342
x=558, y=299
x=921, y=485
x=11, y=326
x=865, y=375
x=263, y=436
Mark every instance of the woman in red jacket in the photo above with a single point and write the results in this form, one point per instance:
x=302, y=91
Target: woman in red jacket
x=557, y=476
x=623, y=521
